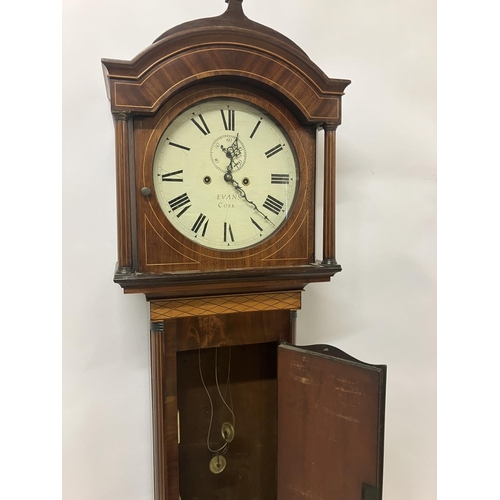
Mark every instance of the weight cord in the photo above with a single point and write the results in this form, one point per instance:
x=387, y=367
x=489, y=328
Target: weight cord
x=223, y=449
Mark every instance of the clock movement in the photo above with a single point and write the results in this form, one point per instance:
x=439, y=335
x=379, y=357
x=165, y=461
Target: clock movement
x=216, y=132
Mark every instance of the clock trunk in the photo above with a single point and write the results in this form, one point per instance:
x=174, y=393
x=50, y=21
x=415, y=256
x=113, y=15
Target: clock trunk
x=299, y=415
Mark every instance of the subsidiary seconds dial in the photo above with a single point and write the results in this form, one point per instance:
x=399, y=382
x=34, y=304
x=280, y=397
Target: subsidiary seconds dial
x=225, y=174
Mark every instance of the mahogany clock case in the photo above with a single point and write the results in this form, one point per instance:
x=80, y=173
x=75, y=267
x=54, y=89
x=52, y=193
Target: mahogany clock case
x=306, y=419
x=308, y=422
x=226, y=56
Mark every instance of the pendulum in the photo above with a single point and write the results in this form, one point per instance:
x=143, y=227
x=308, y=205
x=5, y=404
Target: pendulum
x=218, y=462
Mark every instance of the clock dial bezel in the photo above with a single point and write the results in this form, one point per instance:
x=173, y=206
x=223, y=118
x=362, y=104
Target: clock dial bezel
x=208, y=179
x=180, y=252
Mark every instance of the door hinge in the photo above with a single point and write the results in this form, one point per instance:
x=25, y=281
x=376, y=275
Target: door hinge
x=178, y=427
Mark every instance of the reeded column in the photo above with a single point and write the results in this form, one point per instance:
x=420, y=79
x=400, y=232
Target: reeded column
x=159, y=430
x=123, y=192
x=329, y=197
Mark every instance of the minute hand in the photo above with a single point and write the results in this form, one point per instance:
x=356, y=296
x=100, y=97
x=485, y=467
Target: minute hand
x=244, y=196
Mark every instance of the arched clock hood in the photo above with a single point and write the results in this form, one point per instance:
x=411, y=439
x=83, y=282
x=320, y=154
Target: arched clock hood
x=229, y=56
x=193, y=53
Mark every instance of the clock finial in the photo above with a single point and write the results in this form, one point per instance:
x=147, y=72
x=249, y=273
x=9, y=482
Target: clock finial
x=235, y=7
x=234, y=3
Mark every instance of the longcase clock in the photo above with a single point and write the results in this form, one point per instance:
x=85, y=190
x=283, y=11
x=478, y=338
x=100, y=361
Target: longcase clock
x=216, y=129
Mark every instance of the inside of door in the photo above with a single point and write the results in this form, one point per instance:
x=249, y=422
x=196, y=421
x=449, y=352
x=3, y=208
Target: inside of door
x=307, y=423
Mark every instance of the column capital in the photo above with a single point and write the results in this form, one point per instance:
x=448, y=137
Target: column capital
x=156, y=326
x=121, y=115
x=329, y=126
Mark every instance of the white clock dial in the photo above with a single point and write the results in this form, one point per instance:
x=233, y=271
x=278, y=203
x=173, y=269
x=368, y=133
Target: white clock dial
x=225, y=174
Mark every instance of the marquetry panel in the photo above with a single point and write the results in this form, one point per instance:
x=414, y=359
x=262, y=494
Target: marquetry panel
x=225, y=304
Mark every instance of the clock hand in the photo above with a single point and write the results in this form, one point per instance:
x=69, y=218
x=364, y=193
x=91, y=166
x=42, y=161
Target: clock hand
x=232, y=151
x=235, y=143
x=235, y=147
x=228, y=177
x=230, y=167
x=226, y=151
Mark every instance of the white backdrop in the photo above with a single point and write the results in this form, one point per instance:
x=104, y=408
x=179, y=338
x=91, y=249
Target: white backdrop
x=380, y=309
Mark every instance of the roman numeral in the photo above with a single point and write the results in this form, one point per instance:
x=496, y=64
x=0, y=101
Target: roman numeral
x=229, y=122
x=168, y=177
x=274, y=150
x=255, y=129
x=179, y=146
x=280, y=178
x=228, y=232
x=256, y=225
x=180, y=201
x=197, y=225
x=203, y=127
x=273, y=205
